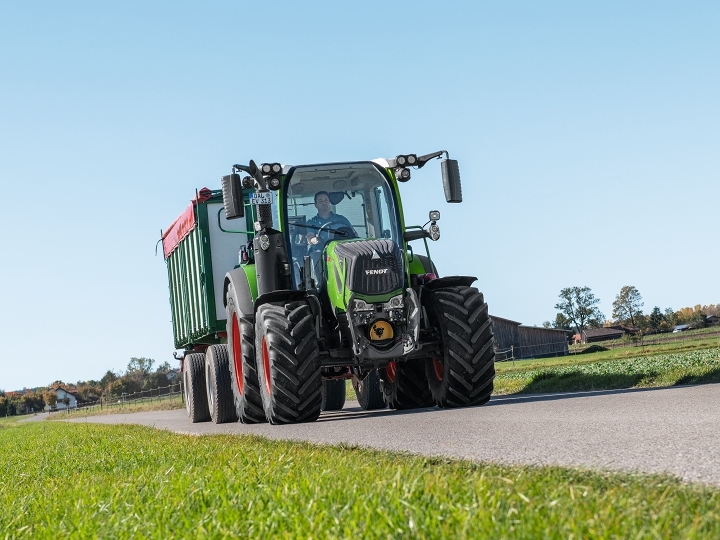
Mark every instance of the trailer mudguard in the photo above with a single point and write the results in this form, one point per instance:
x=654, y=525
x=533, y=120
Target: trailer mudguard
x=238, y=278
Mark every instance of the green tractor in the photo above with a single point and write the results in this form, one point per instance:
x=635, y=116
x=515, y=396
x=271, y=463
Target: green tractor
x=326, y=288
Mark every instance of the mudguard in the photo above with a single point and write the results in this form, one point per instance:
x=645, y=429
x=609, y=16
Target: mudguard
x=450, y=281
x=239, y=280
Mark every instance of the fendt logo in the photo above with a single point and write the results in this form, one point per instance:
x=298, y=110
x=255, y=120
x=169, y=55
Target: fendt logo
x=375, y=272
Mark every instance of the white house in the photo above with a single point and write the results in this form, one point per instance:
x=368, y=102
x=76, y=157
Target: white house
x=61, y=395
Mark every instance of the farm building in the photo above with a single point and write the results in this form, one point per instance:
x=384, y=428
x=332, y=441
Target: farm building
x=512, y=339
x=62, y=394
x=591, y=335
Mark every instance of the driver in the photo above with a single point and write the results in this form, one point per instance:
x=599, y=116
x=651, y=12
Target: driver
x=325, y=217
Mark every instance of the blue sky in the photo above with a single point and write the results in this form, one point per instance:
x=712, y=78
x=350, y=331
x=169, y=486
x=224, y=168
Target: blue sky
x=587, y=136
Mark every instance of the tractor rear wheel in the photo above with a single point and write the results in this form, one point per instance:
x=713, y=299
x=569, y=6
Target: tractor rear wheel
x=405, y=385
x=368, y=391
x=463, y=375
x=333, y=394
x=242, y=365
x=288, y=363
x=219, y=388
x=196, y=403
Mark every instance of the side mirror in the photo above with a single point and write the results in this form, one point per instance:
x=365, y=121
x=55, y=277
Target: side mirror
x=233, y=196
x=451, y=180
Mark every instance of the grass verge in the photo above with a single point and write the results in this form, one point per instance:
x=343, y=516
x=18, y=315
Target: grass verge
x=95, y=481
x=693, y=367
x=154, y=404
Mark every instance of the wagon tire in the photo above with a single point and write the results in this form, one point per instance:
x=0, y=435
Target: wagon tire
x=196, y=403
x=369, y=394
x=288, y=362
x=463, y=374
x=218, y=384
x=333, y=394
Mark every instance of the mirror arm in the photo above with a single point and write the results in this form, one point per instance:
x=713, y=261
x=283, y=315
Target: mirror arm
x=422, y=160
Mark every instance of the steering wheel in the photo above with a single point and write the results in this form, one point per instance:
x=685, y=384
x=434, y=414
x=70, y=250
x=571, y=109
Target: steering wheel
x=338, y=229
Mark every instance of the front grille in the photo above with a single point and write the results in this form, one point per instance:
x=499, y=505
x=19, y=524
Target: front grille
x=374, y=266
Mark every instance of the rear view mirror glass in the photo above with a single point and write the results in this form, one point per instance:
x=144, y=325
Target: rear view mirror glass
x=451, y=180
x=233, y=196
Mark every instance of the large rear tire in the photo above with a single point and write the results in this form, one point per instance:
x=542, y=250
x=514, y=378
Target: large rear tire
x=196, y=403
x=218, y=384
x=405, y=385
x=242, y=365
x=333, y=394
x=368, y=391
x=288, y=363
x=464, y=375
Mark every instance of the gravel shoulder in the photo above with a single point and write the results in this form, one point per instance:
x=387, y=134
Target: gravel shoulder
x=659, y=430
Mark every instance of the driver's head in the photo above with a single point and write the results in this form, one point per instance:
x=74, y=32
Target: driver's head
x=322, y=203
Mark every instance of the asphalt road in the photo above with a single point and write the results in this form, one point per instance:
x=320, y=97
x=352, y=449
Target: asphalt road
x=673, y=430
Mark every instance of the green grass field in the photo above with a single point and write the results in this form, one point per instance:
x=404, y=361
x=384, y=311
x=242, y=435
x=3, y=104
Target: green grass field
x=603, y=371
x=93, y=481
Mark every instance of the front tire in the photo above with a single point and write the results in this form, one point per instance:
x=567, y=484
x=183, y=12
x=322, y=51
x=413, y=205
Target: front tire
x=368, y=391
x=463, y=375
x=288, y=363
x=405, y=386
x=333, y=394
x=196, y=403
x=219, y=388
x=242, y=365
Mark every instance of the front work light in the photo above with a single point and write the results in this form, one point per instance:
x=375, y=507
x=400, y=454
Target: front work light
x=434, y=215
x=276, y=168
x=434, y=232
x=248, y=182
x=401, y=161
x=404, y=174
x=274, y=183
x=265, y=168
x=412, y=159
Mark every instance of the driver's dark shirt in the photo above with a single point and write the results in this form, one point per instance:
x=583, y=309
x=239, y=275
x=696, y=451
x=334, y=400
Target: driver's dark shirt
x=317, y=221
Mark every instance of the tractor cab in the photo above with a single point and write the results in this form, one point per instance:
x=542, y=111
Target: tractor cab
x=323, y=204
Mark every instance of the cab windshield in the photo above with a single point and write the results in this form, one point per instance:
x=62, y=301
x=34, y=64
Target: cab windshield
x=337, y=202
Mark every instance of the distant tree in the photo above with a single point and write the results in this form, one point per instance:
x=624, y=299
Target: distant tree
x=164, y=368
x=579, y=306
x=30, y=402
x=627, y=306
x=671, y=317
x=109, y=377
x=141, y=365
x=656, y=318
x=124, y=385
x=50, y=398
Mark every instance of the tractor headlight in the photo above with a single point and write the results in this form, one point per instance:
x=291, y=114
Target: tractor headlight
x=411, y=159
x=434, y=232
x=401, y=161
x=274, y=183
x=361, y=305
x=264, y=242
x=396, y=302
x=403, y=175
x=276, y=168
x=265, y=168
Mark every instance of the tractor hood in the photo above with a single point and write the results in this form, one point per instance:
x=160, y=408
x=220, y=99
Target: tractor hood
x=368, y=268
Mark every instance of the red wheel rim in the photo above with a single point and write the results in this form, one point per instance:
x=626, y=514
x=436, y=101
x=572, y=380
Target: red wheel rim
x=438, y=368
x=391, y=371
x=237, y=353
x=266, y=363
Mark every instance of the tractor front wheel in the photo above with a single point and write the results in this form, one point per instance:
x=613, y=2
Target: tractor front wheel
x=242, y=365
x=288, y=363
x=405, y=385
x=463, y=375
x=219, y=388
x=196, y=403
